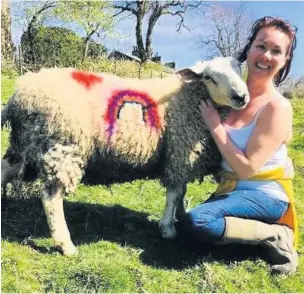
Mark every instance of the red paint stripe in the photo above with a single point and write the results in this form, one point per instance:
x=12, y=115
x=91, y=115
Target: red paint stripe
x=86, y=79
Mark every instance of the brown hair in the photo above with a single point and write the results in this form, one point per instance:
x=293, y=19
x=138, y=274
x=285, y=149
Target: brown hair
x=284, y=26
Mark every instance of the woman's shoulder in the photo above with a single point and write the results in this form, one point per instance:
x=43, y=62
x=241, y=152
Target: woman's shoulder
x=279, y=103
x=277, y=110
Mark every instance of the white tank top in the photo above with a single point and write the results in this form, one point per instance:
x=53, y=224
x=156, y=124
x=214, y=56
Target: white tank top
x=279, y=158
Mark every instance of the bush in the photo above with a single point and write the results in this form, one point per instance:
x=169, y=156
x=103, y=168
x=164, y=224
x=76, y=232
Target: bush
x=124, y=68
x=299, y=92
x=56, y=46
x=8, y=68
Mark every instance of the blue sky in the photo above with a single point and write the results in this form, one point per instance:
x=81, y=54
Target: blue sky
x=183, y=48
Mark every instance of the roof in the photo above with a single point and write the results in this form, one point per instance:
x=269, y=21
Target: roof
x=112, y=54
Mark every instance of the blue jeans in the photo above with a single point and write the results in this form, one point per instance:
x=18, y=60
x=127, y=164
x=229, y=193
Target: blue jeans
x=207, y=220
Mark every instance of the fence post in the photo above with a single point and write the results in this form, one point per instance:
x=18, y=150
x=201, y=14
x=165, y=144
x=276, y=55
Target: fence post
x=139, y=71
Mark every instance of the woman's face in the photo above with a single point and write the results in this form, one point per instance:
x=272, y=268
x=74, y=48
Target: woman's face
x=268, y=53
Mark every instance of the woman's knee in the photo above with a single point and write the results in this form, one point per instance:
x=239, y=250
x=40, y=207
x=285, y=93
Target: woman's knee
x=201, y=220
x=208, y=226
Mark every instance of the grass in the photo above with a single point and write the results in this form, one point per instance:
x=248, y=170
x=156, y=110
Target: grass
x=116, y=232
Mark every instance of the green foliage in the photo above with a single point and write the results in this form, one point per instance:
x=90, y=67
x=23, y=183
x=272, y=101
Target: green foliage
x=8, y=68
x=116, y=232
x=95, y=50
x=299, y=92
x=52, y=45
x=7, y=89
x=89, y=15
x=57, y=46
x=95, y=18
x=122, y=68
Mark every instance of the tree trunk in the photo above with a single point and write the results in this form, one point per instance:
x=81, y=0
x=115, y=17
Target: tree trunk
x=7, y=46
x=31, y=29
x=31, y=37
x=85, y=49
x=87, y=43
x=152, y=21
x=139, y=40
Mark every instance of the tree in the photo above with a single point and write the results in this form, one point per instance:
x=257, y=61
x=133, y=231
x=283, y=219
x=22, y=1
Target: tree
x=32, y=16
x=7, y=46
x=95, y=49
x=153, y=10
x=94, y=17
x=227, y=30
x=292, y=87
x=56, y=46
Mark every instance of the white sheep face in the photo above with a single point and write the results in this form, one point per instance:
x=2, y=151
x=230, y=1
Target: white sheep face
x=222, y=77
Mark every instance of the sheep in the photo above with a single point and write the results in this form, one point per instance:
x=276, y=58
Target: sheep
x=69, y=126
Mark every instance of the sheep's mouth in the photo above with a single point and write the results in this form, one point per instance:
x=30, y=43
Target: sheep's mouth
x=239, y=102
x=239, y=105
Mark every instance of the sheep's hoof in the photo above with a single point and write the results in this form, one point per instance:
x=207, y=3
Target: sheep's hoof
x=70, y=250
x=168, y=231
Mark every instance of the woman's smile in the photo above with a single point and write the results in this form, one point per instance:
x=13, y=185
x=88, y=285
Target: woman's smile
x=262, y=66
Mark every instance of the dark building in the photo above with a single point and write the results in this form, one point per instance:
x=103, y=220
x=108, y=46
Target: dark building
x=123, y=56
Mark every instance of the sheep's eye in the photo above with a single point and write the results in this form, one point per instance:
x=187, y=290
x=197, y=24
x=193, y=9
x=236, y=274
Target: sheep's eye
x=208, y=78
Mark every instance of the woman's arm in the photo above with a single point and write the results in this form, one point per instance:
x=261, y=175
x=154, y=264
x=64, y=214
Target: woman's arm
x=272, y=129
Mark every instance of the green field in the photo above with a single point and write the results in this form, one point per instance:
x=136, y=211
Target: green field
x=120, y=248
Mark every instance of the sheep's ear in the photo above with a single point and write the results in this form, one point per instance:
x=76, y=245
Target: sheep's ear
x=238, y=55
x=235, y=59
x=191, y=74
x=188, y=75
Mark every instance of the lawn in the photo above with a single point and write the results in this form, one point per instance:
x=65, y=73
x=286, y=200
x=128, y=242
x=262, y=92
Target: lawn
x=120, y=249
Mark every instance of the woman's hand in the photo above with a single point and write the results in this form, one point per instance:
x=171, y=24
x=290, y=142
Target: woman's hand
x=210, y=114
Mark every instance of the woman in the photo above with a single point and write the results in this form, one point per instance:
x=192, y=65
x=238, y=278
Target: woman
x=253, y=199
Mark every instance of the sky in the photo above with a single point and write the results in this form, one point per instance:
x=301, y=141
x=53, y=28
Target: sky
x=183, y=48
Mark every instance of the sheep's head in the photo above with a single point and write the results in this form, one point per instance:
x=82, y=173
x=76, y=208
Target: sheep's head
x=222, y=77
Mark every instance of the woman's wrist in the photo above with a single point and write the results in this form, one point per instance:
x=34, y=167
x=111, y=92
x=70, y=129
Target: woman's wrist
x=218, y=130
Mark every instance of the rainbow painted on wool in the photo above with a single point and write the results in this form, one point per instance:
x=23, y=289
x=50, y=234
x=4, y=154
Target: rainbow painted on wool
x=117, y=101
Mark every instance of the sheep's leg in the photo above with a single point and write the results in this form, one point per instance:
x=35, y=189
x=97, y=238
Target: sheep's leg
x=180, y=208
x=8, y=173
x=174, y=197
x=53, y=207
x=62, y=167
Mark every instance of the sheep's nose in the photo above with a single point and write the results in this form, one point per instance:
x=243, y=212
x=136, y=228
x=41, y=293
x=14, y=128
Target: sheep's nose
x=240, y=99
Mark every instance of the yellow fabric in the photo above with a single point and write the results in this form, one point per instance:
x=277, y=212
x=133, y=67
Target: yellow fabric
x=229, y=181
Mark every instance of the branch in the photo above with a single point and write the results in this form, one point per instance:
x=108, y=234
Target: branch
x=298, y=82
x=126, y=8
x=184, y=7
x=44, y=7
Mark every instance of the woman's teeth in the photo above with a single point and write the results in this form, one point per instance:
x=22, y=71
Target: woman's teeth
x=262, y=66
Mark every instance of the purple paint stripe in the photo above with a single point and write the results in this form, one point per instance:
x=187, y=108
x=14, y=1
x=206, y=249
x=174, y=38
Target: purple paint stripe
x=148, y=101
x=111, y=109
x=114, y=105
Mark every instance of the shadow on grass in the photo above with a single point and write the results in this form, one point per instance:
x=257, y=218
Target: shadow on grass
x=89, y=223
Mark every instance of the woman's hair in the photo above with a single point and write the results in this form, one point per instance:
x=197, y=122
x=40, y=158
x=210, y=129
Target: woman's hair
x=285, y=27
